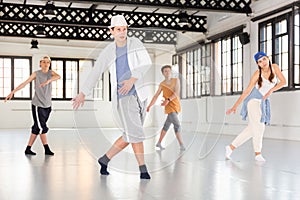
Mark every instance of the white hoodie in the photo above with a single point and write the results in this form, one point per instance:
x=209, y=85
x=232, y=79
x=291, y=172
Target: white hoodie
x=139, y=63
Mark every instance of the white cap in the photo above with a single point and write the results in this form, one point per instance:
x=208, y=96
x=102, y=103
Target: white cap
x=118, y=20
x=45, y=57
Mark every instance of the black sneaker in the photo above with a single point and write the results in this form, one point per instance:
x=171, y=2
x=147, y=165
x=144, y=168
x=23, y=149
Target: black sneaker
x=145, y=175
x=29, y=152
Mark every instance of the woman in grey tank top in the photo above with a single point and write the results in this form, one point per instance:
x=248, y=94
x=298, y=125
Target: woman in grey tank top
x=41, y=102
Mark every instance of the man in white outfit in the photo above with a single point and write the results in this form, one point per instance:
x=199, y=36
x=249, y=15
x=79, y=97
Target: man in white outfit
x=128, y=61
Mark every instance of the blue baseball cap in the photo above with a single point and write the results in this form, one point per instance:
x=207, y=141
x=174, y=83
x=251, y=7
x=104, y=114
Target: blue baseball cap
x=259, y=55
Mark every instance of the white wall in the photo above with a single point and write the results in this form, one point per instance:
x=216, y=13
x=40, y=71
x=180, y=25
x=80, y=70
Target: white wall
x=206, y=114
x=17, y=114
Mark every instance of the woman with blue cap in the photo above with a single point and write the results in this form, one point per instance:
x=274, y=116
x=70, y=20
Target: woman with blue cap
x=256, y=104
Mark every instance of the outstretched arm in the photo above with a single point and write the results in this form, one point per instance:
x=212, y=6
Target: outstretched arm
x=54, y=77
x=22, y=85
x=245, y=93
x=153, y=100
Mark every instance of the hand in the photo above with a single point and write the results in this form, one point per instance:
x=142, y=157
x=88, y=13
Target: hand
x=267, y=95
x=126, y=87
x=9, y=97
x=78, y=101
x=230, y=110
x=165, y=102
x=148, y=108
x=45, y=83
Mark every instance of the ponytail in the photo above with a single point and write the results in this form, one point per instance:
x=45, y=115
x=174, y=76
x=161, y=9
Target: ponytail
x=259, y=81
x=271, y=77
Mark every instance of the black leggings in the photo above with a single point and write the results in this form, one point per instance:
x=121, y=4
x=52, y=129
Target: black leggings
x=40, y=117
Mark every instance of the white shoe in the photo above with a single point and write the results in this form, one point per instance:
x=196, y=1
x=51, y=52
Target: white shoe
x=159, y=146
x=228, y=152
x=260, y=158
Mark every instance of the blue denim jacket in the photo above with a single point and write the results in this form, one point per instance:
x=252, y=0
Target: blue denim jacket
x=265, y=106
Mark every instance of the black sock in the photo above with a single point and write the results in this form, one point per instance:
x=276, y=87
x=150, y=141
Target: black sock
x=144, y=172
x=29, y=152
x=47, y=150
x=103, y=161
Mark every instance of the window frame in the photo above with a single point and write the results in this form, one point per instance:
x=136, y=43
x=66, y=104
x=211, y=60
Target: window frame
x=63, y=76
x=289, y=17
x=12, y=82
x=296, y=12
x=191, y=58
x=231, y=35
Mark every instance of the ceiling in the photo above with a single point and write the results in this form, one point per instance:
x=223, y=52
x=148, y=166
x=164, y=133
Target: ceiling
x=159, y=16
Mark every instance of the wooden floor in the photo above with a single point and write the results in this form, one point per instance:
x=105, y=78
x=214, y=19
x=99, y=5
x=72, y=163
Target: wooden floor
x=201, y=172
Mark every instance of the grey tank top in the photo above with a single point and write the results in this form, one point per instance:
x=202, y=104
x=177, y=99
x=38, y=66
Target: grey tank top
x=42, y=96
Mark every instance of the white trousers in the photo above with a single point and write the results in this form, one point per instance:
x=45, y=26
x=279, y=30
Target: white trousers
x=255, y=128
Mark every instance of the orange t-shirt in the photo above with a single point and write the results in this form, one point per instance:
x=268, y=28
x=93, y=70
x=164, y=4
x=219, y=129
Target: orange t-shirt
x=168, y=91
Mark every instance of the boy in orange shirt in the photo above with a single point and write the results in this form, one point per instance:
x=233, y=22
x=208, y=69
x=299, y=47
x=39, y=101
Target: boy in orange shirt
x=171, y=89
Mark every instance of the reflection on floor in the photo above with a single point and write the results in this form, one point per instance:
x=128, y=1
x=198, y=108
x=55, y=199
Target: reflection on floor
x=201, y=172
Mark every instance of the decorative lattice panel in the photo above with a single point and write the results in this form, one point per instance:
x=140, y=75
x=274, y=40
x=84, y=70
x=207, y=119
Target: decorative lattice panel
x=75, y=23
x=98, y=18
x=84, y=33
x=239, y=6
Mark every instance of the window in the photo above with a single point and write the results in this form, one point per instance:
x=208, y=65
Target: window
x=197, y=72
x=98, y=91
x=226, y=65
x=274, y=41
x=57, y=86
x=68, y=86
x=297, y=50
x=14, y=71
x=190, y=74
x=275, y=36
x=281, y=55
x=266, y=39
x=194, y=66
x=175, y=66
x=205, y=69
x=237, y=65
x=228, y=53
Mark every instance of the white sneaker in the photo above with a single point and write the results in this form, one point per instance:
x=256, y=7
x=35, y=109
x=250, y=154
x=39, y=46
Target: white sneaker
x=228, y=152
x=159, y=146
x=260, y=158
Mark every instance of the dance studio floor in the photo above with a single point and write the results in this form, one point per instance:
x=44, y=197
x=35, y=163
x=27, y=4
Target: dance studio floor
x=199, y=173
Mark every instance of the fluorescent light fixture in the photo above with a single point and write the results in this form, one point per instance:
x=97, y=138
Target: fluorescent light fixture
x=40, y=31
x=49, y=7
x=183, y=19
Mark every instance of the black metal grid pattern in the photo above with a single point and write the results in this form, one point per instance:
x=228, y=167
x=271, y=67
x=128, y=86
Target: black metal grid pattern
x=86, y=24
x=239, y=6
x=83, y=33
x=141, y=20
x=96, y=18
